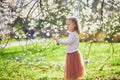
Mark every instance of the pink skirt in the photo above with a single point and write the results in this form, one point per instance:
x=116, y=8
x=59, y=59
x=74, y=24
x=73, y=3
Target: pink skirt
x=74, y=66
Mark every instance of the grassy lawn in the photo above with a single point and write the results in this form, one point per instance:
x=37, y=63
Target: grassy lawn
x=46, y=62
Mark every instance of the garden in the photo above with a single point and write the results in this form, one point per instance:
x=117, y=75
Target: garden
x=28, y=51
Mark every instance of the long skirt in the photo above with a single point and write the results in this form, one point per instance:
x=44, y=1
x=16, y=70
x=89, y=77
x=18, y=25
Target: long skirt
x=74, y=66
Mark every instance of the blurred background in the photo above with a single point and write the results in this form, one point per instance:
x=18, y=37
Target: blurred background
x=99, y=19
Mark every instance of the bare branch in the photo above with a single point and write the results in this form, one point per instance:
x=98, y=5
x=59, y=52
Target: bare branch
x=30, y=10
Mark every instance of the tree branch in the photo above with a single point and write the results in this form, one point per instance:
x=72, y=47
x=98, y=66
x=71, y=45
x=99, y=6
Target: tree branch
x=30, y=10
x=102, y=5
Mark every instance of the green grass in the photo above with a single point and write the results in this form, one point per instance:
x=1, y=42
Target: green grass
x=46, y=62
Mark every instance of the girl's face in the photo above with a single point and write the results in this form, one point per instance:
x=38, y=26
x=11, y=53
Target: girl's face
x=70, y=25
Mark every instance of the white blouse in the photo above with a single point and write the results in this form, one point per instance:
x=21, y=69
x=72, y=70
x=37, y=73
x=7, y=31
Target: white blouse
x=72, y=42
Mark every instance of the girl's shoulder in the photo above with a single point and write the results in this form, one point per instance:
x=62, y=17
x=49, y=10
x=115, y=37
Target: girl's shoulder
x=74, y=33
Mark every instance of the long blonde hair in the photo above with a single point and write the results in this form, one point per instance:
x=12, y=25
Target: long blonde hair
x=77, y=29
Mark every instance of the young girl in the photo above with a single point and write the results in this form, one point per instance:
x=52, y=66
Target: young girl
x=74, y=65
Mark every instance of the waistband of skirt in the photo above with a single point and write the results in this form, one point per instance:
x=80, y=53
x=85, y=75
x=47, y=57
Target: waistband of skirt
x=73, y=52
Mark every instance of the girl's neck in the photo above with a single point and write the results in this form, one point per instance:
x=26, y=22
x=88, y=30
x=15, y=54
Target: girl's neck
x=70, y=31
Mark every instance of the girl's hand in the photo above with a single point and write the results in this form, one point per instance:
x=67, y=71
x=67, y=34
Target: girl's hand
x=55, y=37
